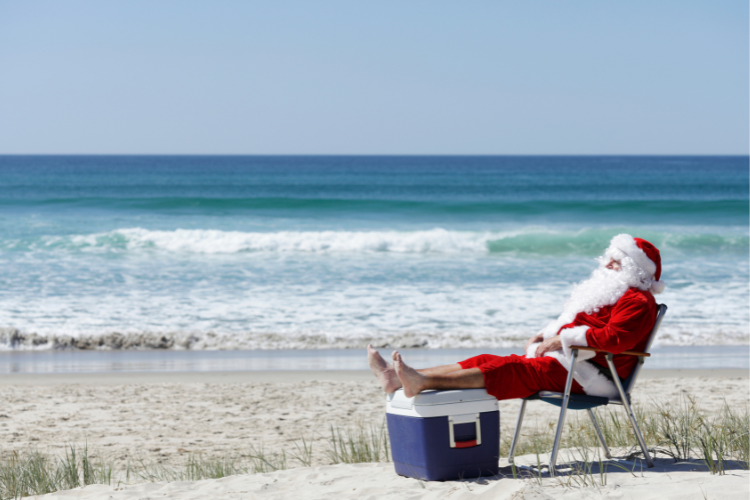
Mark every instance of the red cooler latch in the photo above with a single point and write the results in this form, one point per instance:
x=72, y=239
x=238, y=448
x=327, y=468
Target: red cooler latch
x=464, y=419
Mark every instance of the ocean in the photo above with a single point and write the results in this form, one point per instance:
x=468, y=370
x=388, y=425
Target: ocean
x=251, y=252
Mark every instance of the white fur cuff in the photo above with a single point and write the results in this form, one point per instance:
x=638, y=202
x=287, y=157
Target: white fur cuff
x=575, y=336
x=531, y=351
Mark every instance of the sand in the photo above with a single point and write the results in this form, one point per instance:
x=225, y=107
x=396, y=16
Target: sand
x=379, y=481
x=166, y=417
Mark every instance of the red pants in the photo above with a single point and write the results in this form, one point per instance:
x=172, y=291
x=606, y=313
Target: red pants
x=511, y=377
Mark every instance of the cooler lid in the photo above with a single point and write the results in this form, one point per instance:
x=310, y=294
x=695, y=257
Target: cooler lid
x=431, y=398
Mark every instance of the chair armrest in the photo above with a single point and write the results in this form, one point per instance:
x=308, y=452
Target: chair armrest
x=594, y=349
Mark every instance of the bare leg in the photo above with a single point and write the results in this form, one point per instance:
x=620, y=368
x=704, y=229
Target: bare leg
x=440, y=370
x=383, y=370
x=415, y=382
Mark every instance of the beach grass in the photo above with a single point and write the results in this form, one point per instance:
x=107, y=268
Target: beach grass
x=31, y=472
x=358, y=445
x=195, y=469
x=681, y=431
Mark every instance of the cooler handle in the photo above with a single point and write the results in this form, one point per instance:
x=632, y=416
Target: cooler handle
x=461, y=419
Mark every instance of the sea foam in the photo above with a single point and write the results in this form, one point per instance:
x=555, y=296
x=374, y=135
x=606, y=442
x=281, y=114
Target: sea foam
x=208, y=241
x=351, y=316
x=522, y=241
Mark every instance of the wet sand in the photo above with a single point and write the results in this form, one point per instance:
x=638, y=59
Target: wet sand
x=283, y=376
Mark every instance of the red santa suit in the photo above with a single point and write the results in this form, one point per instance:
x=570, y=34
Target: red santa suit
x=621, y=326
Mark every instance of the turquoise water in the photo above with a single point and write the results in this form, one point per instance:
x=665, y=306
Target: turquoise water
x=331, y=252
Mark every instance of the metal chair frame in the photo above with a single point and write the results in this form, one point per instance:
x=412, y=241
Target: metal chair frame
x=567, y=397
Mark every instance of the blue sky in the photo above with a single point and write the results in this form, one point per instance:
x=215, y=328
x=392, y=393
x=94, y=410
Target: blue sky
x=348, y=77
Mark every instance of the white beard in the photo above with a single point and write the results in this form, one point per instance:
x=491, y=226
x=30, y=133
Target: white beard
x=603, y=288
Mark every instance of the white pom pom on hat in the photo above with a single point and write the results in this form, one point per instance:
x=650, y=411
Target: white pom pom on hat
x=657, y=287
x=644, y=254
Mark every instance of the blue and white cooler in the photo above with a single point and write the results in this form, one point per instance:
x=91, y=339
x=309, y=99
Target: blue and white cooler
x=443, y=435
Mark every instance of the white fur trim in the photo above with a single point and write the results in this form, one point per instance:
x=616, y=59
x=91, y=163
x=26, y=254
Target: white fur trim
x=531, y=351
x=657, y=287
x=593, y=382
x=575, y=336
x=558, y=355
x=626, y=244
x=615, y=253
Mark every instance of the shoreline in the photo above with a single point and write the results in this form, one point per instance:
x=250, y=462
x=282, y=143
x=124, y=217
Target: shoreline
x=280, y=376
x=70, y=363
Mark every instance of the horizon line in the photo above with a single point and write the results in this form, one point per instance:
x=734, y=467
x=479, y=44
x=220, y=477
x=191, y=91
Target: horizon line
x=456, y=155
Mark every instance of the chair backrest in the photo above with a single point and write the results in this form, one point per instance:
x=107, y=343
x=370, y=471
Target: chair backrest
x=630, y=381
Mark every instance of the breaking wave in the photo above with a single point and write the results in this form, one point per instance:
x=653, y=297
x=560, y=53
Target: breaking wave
x=531, y=241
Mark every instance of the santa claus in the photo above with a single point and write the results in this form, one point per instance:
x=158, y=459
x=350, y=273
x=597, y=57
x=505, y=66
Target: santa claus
x=613, y=310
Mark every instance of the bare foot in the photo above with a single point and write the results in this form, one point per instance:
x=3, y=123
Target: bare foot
x=383, y=370
x=411, y=379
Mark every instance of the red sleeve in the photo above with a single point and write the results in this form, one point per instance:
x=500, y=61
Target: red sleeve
x=626, y=328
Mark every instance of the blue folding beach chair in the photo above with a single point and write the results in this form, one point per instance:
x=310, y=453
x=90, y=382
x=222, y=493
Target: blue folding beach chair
x=567, y=400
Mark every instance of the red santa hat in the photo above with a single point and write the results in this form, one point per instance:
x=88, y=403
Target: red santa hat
x=644, y=254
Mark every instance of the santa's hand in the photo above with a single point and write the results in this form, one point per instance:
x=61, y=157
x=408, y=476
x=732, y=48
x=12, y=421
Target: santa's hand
x=549, y=345
x=533, y=340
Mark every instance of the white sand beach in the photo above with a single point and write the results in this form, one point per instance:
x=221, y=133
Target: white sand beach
x=165, y=418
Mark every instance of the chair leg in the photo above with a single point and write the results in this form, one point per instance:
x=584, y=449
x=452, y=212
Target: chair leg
x=599, y=434
x=518, y=431
x=563, y=409
x=631, y=414
x=638, y=434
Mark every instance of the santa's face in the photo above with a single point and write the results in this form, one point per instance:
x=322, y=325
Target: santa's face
x=614, y=265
